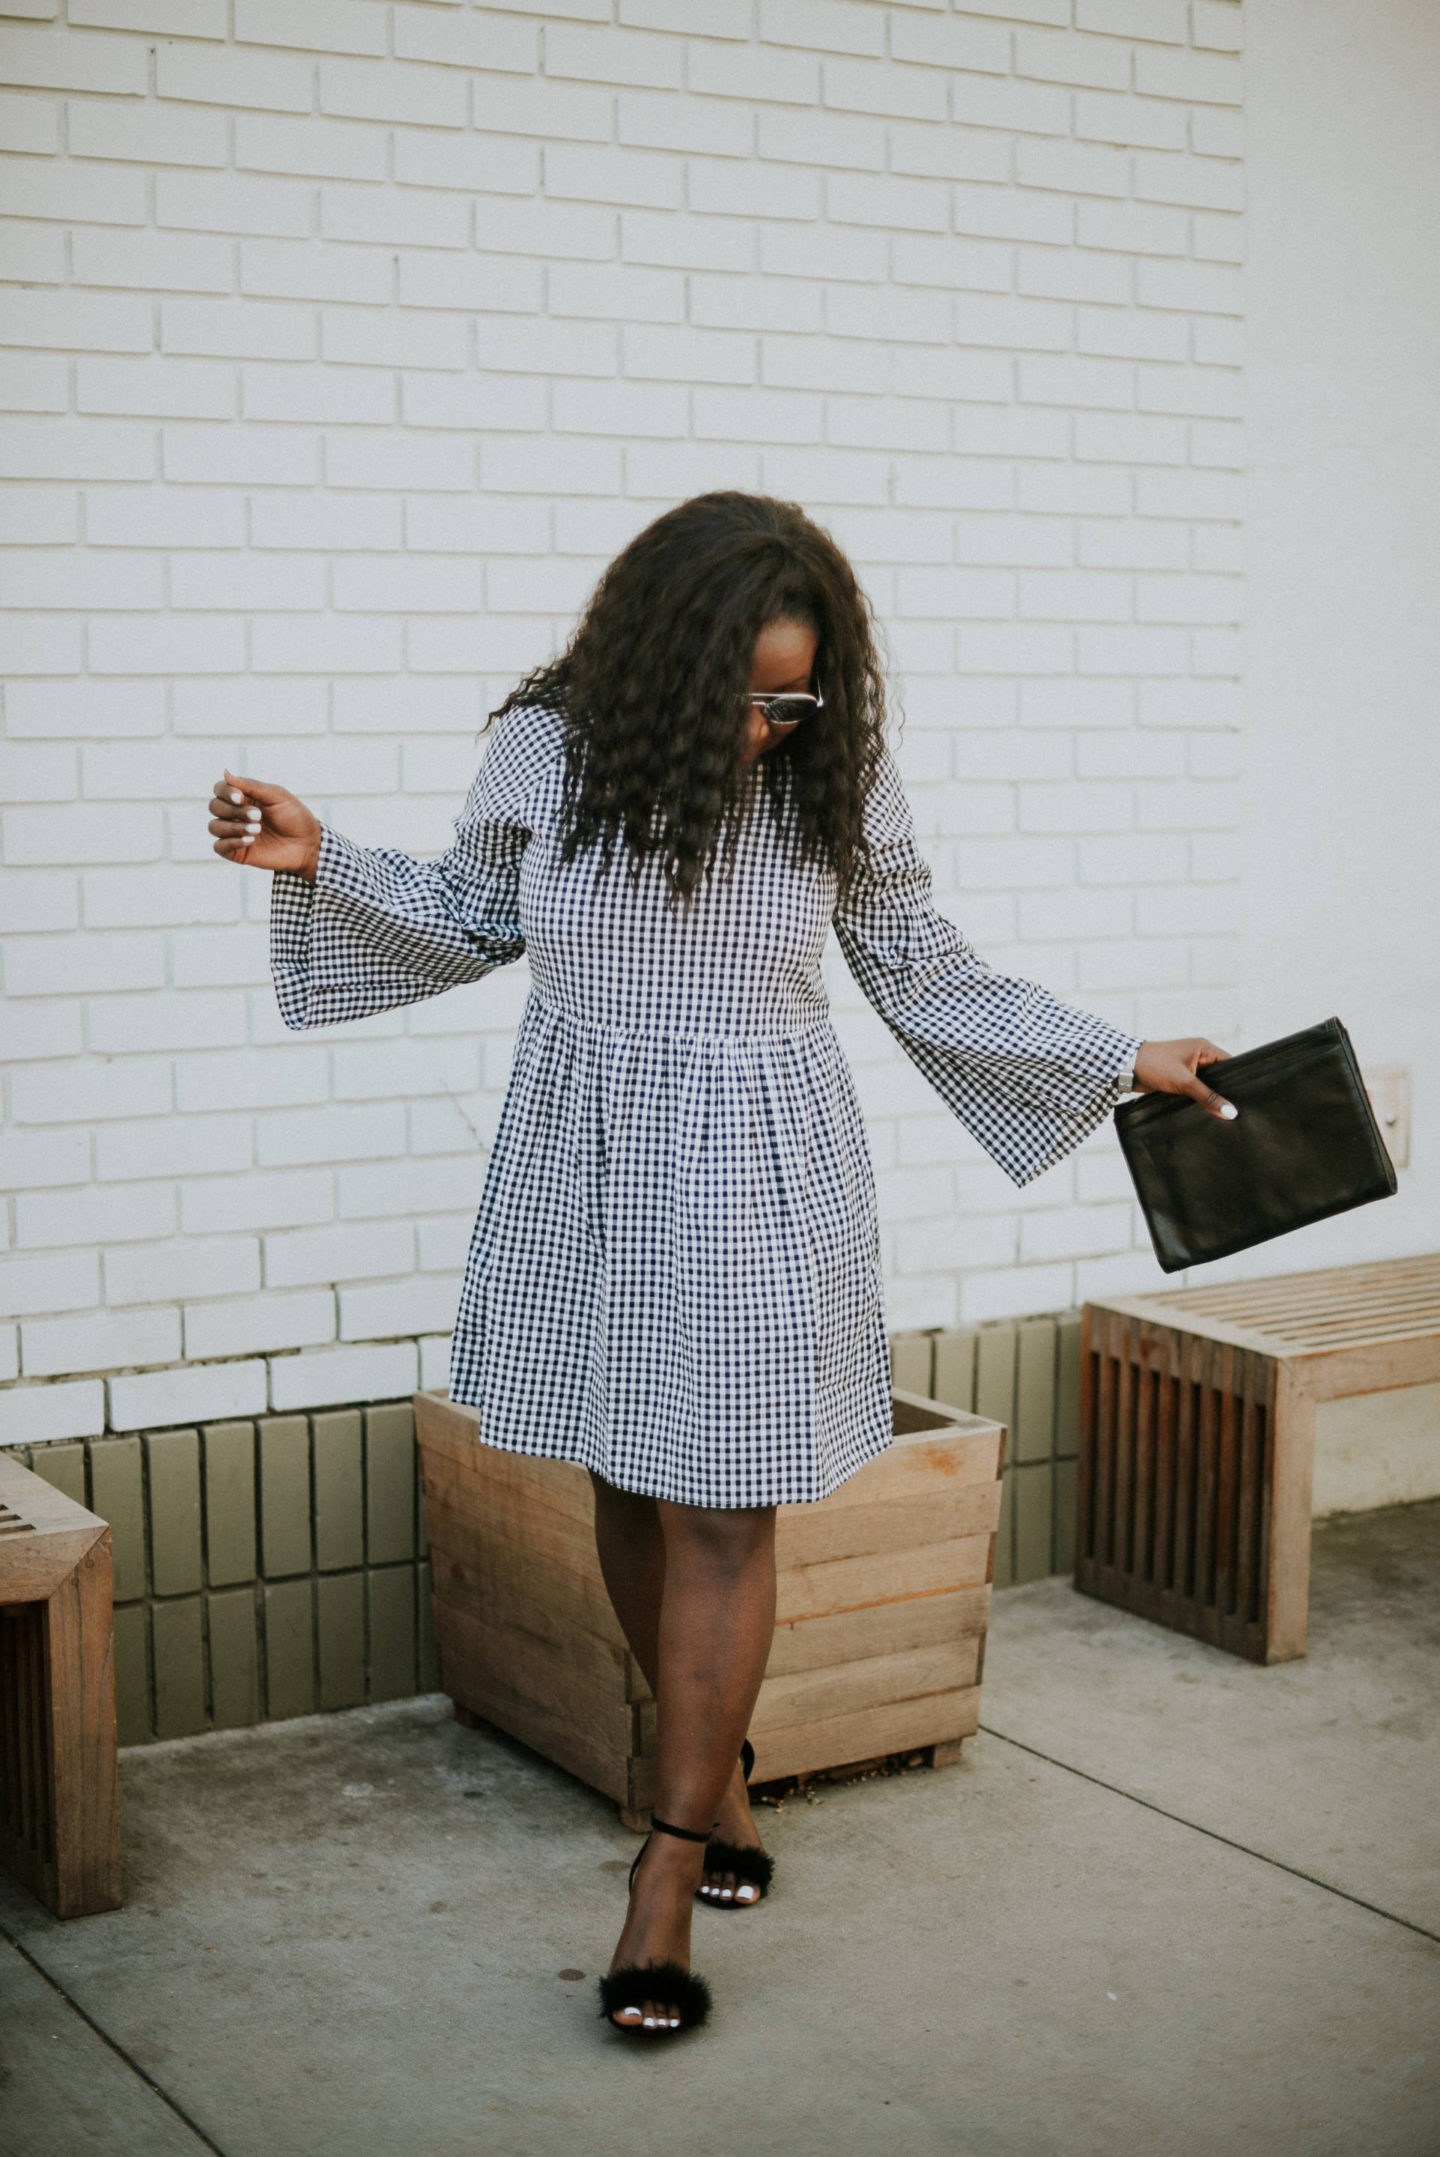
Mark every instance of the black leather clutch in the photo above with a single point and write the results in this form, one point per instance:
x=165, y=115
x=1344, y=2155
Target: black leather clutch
x=1305, y=1145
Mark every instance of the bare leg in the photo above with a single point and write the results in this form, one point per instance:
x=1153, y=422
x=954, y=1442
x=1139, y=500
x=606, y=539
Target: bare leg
x=631, y=1547
x=631, y=1544
x=711, y=1639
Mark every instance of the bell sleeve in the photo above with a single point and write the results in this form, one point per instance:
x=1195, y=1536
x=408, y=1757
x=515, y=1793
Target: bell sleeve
x=1029, y=1076
x=376, y=928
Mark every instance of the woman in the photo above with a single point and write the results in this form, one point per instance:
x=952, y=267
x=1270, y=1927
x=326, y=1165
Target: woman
x=675, y=1273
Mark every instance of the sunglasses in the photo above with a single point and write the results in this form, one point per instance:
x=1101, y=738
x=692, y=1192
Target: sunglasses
x=789, y=708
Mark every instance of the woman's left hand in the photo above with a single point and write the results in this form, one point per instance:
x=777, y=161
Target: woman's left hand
x=1175, y=1066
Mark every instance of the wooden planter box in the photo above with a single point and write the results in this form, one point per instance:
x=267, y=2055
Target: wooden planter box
x=884, y=1595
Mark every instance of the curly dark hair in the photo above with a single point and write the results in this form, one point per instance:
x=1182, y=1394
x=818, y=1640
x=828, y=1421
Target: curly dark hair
x=652, y=688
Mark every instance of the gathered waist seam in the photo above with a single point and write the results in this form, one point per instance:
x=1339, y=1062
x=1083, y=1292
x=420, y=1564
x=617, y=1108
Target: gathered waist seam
x=819, y=1028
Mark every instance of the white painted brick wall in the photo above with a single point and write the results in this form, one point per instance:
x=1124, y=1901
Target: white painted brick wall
x=342, y=345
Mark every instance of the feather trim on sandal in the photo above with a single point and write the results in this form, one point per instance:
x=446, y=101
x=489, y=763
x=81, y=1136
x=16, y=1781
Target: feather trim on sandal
x=663, y=1982
x=751, y=1866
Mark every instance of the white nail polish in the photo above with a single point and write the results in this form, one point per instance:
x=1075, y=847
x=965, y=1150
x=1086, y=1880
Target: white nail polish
x=649, y=2023
x=1229, y=1112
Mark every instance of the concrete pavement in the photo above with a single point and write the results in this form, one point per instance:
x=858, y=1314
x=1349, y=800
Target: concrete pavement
x=1168, y=1905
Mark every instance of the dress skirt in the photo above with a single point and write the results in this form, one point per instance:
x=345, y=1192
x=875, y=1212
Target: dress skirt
x=675, y=1272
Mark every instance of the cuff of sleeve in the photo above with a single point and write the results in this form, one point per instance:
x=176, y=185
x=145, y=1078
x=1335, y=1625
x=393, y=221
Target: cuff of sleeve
x=292, y=920
x=1107, y=1095
x=1125, y=1080
x=338, y=862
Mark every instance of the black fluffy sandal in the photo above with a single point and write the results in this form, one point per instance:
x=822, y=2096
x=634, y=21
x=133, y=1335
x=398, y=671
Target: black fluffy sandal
x=752, y=1866
x=636, y=1982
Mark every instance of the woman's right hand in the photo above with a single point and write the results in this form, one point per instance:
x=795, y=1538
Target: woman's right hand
x=262, y=827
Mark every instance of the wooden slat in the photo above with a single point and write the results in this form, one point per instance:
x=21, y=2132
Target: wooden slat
x=915, y=1465
x=543, y=1699
x=1288, y=1314
x=1121, y=1542
x=1387, y=1293
x=1142, y=1539
x=874, y=1681
x=899, y=1727
x=489, y=1478
x=1162, y=1558
x=1343, y=1302
x=879, y=1629
x=812, y=1591
x=1291, y=1467
x=1402, y=1327
x=554, y=1536
x=817, y=1534
x=466, y=1570
x=1207, y=1442
x=1334, y=1281
x=1329, y=1374
x=1226, y=1463
x=1249, y=1473
x=531, y=1606
x=1105, y=1448
x=1350, y=1306
x=1185, y=1489
x=561, y=1487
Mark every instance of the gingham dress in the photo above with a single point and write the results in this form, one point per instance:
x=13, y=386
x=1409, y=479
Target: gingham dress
x=675, y=1272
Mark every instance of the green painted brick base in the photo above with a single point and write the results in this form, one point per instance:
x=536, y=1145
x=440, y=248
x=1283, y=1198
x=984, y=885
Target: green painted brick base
x=1026, y=1374
x=261, y=1569
x=270, y=1569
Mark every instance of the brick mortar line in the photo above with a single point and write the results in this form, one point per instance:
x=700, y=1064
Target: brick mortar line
x=114, y=2044
x=1278, y=1864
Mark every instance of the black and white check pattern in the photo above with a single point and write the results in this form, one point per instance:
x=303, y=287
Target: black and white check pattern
x=675, y=1271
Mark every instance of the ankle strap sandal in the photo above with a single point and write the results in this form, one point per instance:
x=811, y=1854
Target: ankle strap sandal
x=665, y=1983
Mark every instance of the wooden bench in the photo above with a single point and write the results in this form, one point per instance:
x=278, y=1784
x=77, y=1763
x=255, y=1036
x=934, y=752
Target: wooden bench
x=884, y=1597
x=1197, y=1438
x=59, y=1802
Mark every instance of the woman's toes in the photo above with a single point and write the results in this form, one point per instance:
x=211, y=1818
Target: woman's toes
x=628, y=2016
x=747, y=1892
